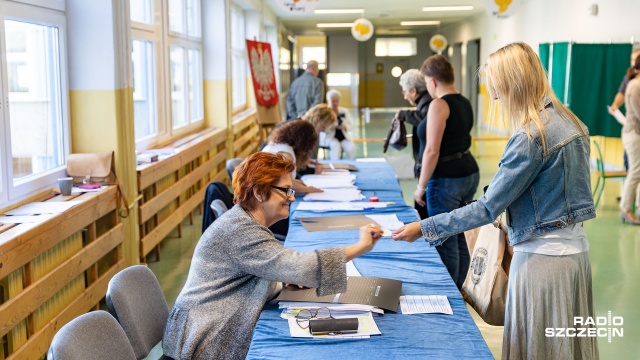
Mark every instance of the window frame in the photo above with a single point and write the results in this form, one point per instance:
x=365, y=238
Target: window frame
x=163, y=38
x=10, y=189
x=239, y=52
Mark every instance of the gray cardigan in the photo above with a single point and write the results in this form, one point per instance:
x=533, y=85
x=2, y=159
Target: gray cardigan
x=233, y=273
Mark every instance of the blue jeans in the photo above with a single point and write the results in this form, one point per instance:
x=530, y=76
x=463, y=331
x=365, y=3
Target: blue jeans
x=444, y=195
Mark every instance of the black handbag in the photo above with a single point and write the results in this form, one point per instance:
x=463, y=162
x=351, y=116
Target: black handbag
x=397, y=136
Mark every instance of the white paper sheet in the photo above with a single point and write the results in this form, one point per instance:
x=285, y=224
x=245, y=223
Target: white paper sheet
x=425, y=304
x=51, y=207
x=77, y=190
x=387, y=221
x=328, y=182
x=352, y=270
x=618, y=115
x=350, y=194
x=339, y=206
x=28, y=219
x=371, y=160
x=366, y=327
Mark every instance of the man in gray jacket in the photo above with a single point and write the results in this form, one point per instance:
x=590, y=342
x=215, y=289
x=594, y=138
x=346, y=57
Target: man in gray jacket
x=306, y=91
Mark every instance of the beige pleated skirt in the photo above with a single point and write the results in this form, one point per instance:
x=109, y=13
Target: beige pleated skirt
x=547, y=292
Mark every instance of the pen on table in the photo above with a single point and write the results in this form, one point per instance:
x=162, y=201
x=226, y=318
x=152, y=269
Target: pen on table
x=332, y=167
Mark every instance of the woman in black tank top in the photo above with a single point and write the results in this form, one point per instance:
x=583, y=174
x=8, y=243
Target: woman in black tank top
x=449, y=176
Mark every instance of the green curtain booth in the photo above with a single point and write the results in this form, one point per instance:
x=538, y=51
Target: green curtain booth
x=587, y=77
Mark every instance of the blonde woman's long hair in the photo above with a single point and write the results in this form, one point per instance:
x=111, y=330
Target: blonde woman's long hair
x=515, y=78
x=321, y=113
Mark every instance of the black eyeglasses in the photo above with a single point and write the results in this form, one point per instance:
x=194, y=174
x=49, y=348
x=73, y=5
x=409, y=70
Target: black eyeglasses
x=303, y=317
x=288, y=191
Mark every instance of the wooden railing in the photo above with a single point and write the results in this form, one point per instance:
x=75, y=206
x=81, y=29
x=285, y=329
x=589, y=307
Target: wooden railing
x=245, y=133
x=53, y=271
x=171, y=189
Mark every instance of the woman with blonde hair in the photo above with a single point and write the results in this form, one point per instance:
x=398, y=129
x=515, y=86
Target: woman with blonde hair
x=543, y=184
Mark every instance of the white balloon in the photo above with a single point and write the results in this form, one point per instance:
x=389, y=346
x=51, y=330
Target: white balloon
x=362, y=29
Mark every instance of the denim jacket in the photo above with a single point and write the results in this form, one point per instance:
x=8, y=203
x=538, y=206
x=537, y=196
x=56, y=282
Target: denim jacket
x=539, y=193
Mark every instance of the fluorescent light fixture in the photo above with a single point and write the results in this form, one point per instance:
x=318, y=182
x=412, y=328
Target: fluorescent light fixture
x=338, y=11
x=419, y=23
x=335, y=25
x=448, y=8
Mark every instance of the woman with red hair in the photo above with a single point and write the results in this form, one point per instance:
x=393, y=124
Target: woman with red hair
x=238, y=264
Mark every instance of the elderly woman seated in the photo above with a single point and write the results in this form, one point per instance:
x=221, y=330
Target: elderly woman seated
x=238, y=263
x=338, y=135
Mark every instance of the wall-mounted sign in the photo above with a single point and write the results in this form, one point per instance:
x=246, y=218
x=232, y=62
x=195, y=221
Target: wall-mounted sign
x=379, y=68
x=438, y=43
x=301, y=7
x=362, y=29
x=501, y=8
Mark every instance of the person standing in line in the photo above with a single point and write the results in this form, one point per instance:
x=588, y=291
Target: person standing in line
x=414, y=90
x=544, y=184
x=619, y=99
x=449, y=175
x=338, y=134
x=305, y=92
x=631, y=142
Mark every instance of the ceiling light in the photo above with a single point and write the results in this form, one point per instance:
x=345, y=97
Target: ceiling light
x=418, y=23
x=339, y=11
x=335, y=25
x=448, y=8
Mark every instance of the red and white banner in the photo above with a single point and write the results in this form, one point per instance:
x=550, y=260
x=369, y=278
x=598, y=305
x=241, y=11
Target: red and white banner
x=264, y=79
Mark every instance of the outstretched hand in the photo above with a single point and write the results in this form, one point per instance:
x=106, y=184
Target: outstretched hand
x=410, y=232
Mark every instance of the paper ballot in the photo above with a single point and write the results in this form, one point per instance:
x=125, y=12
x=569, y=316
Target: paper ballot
x=425, y=304
x=618, y=115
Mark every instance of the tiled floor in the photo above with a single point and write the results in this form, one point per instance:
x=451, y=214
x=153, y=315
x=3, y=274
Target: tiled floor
x=614, y=251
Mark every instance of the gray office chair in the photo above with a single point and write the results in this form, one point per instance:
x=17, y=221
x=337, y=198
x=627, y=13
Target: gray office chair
x=219, y=207
x=95, y=335
x=232, y=164
x=135, y=299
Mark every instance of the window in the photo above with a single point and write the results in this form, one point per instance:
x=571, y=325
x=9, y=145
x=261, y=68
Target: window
x=317, y=53
x=396, y=47
x=339, y=79
x=144, y=89
x=167, y=69
x=35, y=144
x=238, y=59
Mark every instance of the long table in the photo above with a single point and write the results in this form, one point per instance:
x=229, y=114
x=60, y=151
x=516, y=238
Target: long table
x=432, y=336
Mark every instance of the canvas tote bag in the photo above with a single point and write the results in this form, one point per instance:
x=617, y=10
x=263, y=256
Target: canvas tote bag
x=98, y=168
x=485, y=287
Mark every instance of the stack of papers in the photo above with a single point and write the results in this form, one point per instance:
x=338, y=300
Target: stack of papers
x=346, y=194
x=329, y=181
x=371, y=160
x=319, y=206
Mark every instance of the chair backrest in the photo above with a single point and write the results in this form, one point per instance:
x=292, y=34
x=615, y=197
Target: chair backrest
x=95, y=335
x=218, y=207
x=232, y=164
x=135, y=299
x=215, y=190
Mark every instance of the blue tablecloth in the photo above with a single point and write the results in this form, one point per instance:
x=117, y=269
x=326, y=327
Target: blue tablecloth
x=432, y=336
